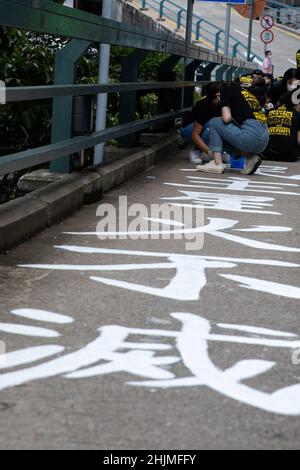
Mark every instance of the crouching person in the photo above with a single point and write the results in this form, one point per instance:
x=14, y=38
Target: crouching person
x=197, y=131
x=242, y=129
x=284, y=130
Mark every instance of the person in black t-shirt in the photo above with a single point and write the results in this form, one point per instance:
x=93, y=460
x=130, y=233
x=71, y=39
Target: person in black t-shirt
x=207, y=108
x=241, y=126
x=288, y=83
x=284, y=130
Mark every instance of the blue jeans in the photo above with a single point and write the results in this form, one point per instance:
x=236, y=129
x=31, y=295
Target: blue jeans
x=186, y=134
x=251, y=137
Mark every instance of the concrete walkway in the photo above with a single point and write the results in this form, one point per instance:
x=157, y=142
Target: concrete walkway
x=143, y=344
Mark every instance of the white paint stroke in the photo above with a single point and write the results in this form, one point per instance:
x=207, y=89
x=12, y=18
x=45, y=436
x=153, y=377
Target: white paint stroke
x=233, y=187
x=25, y=356
x=154, y=254
x=95, y=267
x=264, y=228
x=274, y=288
x=192, y=344
x=195, y=354
x=42, y=315
x=243, y=34
x=244, y=181
x=256, y=330
x=168, y=222
x=186, y=285
x=28, y=330
x=214, y=224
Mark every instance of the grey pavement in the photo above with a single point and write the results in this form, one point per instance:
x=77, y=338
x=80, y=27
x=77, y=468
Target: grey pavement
x=222, y=401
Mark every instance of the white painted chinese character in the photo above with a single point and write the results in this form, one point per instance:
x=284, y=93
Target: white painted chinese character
x=224, y=202
x=113, y=352
x=237, y=184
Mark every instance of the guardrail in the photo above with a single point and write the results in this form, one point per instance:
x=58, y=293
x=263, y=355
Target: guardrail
x=202, y=28
x=284, y=14
x=44, y=16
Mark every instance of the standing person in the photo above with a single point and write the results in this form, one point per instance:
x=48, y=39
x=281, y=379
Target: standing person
x=240, y=126
x=267, y=66
x=284, y=130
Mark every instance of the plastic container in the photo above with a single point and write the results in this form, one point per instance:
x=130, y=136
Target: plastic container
x=237, y=162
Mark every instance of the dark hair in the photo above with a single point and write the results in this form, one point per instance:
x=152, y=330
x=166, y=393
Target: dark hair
x=212, y=89
x=267, y=52
x=288, y=74
x=260, y=82
x=258, y=72
x=286, y=100
x=259, y=93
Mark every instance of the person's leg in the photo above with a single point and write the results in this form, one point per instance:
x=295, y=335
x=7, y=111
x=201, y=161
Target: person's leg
x=205, y=134
x=250, y=138
x=186, y=133
x=216, y=148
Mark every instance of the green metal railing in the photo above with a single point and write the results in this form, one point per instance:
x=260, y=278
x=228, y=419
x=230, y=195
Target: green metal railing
x=83, y=29
x=202, y=28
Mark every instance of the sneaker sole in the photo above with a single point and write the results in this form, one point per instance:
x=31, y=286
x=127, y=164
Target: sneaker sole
x=216, y=171
x=253, y=168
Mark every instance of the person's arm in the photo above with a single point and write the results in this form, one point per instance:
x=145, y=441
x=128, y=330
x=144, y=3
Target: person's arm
x=201, y=145
x=226, y=114
x=298, y=138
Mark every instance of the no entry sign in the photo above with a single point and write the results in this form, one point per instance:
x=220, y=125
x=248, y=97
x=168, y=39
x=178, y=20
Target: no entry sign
x=267, y=22
x=267, y=36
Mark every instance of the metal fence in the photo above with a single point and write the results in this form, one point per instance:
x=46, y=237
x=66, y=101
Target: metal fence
x=284, y=14
x=83, y=29
x=203, y=29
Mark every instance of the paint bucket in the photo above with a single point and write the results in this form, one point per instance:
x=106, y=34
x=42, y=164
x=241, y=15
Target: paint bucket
x=237, y=162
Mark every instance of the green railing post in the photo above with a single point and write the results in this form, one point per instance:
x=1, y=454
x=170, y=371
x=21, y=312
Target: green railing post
x=128, y=100
x=179, y=18
x=198, y=24
x=220, y=73
x=230, y=73
x=62, y=115
x=207, y=71
x=235, y=49
x=189, y=75
x=217, y=40
x=161, y=11
x=144, y=6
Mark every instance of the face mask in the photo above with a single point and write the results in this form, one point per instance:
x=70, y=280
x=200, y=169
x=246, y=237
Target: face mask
x=292, y=87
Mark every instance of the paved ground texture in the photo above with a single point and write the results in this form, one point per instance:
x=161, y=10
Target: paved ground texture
x=144, y=344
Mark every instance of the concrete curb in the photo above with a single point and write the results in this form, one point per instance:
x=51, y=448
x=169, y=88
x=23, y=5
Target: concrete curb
x=20, y=219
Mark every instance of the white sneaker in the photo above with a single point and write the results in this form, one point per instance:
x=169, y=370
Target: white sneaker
x=211, y=167
x=195, y=156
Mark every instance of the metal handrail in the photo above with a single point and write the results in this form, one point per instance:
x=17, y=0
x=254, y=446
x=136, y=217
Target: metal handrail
x=47, y=17
x=32, y=93
x=47, y=153
x=214, y=34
